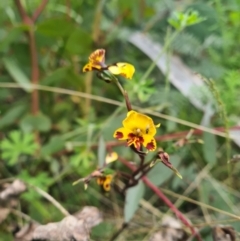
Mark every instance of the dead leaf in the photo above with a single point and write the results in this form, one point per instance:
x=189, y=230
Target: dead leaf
x=224, y=233
x=171, y=230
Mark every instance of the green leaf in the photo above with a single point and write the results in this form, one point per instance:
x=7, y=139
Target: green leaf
x=17, y=74
x=210, y=148
x=108, y=171
x=101, y=152
x=215, y=197
x=102, y=230
x=133, y=196
x=11, y=116
x=181, y=20
x=174, y=23
x=55, y=27
x=56, y=76
x=41, y=180
x=12, y=35
x=210, y=26
x=79, y=42
x=61, y=8
x=55, y=144
x=38, y=122
x=17, y=144
x=159, y=173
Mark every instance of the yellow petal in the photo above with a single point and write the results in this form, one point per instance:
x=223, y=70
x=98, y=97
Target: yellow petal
x=121, y=133
x=107, y=185
x=87, y=68
x=96, y=61
x=124, y=69
x=109, y=177
x=97, y=57
x=149, y=142
x=111, y=157
x=144, y=123
x=90, y=67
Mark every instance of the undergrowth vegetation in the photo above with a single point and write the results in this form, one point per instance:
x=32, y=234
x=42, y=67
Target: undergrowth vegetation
x=174, y=63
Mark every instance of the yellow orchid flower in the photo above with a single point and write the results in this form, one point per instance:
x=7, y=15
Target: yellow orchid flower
x=97, y=62
x=124, y=69
x=111, y=157
x=105, y=182
x=138, y=129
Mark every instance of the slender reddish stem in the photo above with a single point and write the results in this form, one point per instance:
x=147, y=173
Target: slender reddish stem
x=39, y=10
x=164, y=199
x=33, y=48
x=21, y=10
x=35, y=70
x=29, y=21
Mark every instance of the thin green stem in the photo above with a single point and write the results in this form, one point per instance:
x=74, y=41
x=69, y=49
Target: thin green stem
x=165, y=47
x=124, y=92
x=168, y=53
x=118, y=103
x=223, y=114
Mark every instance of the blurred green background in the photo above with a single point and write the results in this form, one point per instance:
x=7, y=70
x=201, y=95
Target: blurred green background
x=50, y=140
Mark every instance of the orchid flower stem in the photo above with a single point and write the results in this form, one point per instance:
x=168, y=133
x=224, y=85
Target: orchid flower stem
x=124, y=92
x=119, y=86
x=164, y=198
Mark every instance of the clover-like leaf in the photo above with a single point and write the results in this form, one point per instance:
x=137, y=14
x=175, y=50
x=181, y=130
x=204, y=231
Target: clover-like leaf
x=17, y=144
x=181, y=20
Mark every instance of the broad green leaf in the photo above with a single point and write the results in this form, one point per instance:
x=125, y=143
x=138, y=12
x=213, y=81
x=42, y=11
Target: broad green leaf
x=55, y=144
x=56, y=76
x=15, y=136
x=38, y=122
x=101, y=152
x=216, y=197
x=55, y=27
x=112, y=125
x=104, y=229
x=41, y=180
x=209, y=148
x=82, y=161
x=206, y=28
x=67, y=11
x=133, y=196
x=160, y=173
x=17, y=74
x=11, y=36
x=79, y=42
x=11, y=116
x=4, y=93
x=108, y=171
